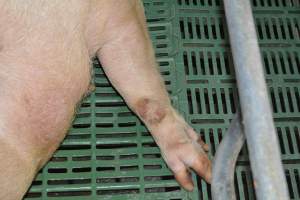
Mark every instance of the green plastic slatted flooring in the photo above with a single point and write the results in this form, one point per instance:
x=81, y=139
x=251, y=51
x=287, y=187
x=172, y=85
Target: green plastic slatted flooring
x=109, y=154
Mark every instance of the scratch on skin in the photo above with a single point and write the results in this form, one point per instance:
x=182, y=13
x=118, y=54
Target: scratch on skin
x=150, y=110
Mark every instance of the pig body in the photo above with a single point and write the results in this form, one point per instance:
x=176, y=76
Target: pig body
x=45, y=53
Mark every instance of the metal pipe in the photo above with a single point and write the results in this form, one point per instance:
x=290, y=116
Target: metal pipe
x=222, y=185
x=262, y=141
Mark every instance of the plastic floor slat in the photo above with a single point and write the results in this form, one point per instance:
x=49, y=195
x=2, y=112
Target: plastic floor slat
x=109, y=154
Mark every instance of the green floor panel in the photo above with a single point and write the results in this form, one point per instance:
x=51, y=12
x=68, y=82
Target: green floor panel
x=109, y=154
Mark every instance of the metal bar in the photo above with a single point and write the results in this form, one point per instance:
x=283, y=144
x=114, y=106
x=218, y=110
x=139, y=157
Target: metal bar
x=262, y=141
x=222, y=185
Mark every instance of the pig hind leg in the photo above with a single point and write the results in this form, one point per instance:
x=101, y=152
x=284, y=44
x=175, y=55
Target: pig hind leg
x=37, y=105
x=128, y=60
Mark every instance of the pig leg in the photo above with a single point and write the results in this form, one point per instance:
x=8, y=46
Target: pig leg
x=128, y=59
x=36, y=110
x=44, y=73
x=37, y=104
x=16, y=172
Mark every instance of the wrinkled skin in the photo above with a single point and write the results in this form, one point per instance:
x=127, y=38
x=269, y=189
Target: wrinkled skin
x=45, y=52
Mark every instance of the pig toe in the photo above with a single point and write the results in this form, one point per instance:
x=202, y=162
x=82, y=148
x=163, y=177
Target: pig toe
x=202, y=166
x=182, y=148
x=184, y=178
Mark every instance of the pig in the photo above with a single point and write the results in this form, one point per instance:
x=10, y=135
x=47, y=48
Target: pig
x=45, y=70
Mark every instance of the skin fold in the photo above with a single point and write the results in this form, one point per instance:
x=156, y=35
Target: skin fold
x=45, y=53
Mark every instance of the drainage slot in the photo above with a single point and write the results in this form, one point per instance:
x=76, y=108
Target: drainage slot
x=69, y=193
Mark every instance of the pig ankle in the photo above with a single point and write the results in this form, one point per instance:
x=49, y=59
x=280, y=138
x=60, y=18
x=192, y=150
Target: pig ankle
x=151, y=111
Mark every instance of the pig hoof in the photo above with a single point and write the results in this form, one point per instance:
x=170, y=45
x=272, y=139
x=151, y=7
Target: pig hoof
x=182, y=149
